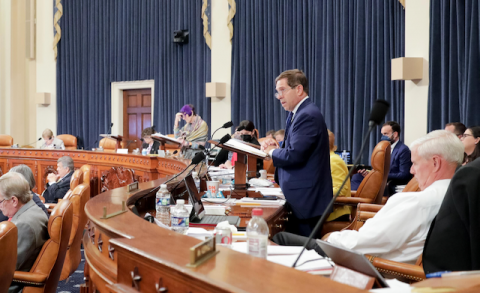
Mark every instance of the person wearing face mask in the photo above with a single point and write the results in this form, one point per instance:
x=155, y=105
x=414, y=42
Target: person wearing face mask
x=244, y=132
x=194, y=134
x=400, y=160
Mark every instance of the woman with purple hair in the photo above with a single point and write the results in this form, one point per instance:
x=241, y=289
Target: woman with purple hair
x=193, y=134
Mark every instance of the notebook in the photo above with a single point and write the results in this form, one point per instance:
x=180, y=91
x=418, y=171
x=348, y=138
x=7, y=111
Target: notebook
x=197, y=215
x=352, y=260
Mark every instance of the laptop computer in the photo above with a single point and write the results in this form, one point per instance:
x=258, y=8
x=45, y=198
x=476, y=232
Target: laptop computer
x=352, y=260
x=197, y=215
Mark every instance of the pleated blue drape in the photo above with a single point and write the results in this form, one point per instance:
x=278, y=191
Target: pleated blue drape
x=454, y=65
x=126, y=40
x=344, y=47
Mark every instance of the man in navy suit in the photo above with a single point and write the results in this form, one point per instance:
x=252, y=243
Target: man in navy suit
x=59, y=184
x=400, y=160
x=303, y=161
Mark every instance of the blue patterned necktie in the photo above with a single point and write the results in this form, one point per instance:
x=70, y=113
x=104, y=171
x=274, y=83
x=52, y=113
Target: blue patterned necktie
x=287, y=127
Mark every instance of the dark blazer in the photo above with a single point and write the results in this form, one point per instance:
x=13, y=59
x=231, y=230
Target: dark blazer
x=303, y=163
x=155, y=147
x=57, y=190
x=453, y=242
x=400, y=164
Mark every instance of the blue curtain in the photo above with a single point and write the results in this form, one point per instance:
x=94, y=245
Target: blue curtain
x=454, y=90
x=345, y=49
x=126, y=40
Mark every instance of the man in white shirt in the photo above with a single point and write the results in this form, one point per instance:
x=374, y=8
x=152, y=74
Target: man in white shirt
x=398, y=231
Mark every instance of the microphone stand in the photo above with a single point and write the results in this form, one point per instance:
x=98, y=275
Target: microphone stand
x=330, y=205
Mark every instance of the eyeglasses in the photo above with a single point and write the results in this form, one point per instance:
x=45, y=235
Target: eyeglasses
x=1, y=202
x=281, y=93
x=466, y=134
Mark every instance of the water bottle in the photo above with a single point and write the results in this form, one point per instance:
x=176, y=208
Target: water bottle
x=345, y=156
x=162, y=205
x=180, y=218
x=197, y=180
x=257, y=235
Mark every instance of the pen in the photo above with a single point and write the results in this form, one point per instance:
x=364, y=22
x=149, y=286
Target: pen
x=436, y=274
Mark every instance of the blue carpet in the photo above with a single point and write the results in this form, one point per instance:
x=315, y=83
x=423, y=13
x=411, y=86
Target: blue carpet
x=76, y=279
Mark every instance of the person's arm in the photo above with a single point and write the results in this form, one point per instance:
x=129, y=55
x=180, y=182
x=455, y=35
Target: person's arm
x=25, y=243
x=58, y=190
x=338, y=175
x=386, y=231
x=405, y=163
x=304, y=136
x=61, y=145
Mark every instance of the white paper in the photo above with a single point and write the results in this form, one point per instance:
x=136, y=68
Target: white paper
x=234, y=143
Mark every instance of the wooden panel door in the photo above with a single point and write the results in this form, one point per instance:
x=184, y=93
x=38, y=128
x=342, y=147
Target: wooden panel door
x=137, y=115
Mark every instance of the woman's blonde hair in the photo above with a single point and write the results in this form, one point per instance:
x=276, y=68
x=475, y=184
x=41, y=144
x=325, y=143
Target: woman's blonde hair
x=331, y=140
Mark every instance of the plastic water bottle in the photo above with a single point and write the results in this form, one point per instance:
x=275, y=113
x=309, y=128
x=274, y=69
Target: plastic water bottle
x=257, y=235
x=180, y=218
x=345, y=156
x=197, y=180
x=162, y=204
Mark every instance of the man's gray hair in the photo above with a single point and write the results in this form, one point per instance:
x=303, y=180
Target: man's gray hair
x=14, y=184
x=68, y=162
x=442, y=143
x=26, y=172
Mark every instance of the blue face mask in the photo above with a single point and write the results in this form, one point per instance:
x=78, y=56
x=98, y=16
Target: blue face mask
x=387, y=138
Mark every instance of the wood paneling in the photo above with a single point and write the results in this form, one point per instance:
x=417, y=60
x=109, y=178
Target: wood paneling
x=137, y=109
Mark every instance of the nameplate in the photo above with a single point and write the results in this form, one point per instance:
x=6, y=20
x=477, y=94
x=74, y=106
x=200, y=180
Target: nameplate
x=133, y=186
x=202, y=252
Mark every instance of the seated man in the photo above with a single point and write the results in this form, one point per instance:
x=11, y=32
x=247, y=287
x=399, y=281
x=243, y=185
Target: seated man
x=270, y=134
x=398, y=231
x=457, y=128
x=279, y=136
x=58, y=185
x=51, y=142
x=453, y=242
x=32, y=223
x=400, y=162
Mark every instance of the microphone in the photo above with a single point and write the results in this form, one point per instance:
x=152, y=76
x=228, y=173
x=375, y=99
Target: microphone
x=110, y=130
x=379, y=110
x=33, y=142
x=226, y=125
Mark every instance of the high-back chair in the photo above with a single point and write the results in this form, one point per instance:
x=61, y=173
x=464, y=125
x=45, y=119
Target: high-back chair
x=69, y=141
x=370, y=190
x=6, y=141
x=78, y=197
x=45, y=272
x=8, y=253
x=109, y=145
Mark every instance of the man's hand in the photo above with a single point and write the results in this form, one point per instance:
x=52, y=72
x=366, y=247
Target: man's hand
x=363, y=172
x=268, y=143
x=52, y=178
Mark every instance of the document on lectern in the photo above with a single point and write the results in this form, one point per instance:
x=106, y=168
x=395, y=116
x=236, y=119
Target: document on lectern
x=167, y=138
x=239, y=145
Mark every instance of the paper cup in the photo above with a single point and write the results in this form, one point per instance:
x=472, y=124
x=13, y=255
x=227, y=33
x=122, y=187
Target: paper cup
x=212, y=186
x=263, y=174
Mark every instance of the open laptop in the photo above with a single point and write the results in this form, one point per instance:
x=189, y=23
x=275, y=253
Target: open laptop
x=352, y=260
x=197, y=215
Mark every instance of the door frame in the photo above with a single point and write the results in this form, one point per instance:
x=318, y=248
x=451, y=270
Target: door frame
x=117, y=89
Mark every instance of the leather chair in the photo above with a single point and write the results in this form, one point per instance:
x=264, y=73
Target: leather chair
x=370, y=190
x=69, y=141
x=78, y=197
x=8, y=253
x=109, y=145
x=412, y=186
x=6, y=141
x=45, y=272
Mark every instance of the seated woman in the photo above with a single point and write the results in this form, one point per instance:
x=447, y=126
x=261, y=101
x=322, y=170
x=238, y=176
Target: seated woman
x=193, y=134
x=245, y=132
x=470, y=140
x=51, y=142
x=339, y=172
x=32, y=223
x=148, y=143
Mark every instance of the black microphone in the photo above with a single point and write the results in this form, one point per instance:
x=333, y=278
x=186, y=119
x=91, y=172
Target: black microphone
x=379, y=110
x=223, y=140
x=110, y=130
x=33, y=142
x=199, y=157
x=226, y=125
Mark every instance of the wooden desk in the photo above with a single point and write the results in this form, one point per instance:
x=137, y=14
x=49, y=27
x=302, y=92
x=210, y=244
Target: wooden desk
x=108, y=170
x=124, y=245
x=466, y=283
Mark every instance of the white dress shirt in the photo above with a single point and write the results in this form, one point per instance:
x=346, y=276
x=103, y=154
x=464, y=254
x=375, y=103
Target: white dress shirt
x=398, y=231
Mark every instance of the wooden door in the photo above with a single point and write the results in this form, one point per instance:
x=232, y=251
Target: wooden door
x=137, y=115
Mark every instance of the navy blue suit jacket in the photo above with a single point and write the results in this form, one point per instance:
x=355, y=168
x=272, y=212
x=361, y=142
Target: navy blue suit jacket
x=400, y=164
x=303, y=164
x=56, y=191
